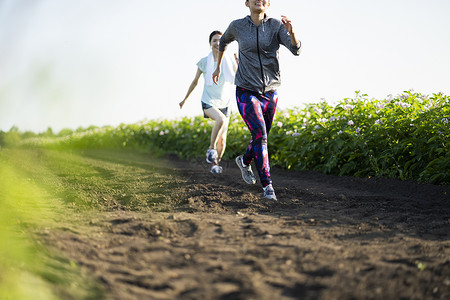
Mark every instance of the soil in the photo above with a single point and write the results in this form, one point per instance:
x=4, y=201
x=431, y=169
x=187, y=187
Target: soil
x=205, y=236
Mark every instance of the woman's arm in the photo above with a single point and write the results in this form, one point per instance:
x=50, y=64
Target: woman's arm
x=288, y=25
x=191, y=87
x=216, y=74
x=227, y=37
x=287, y=36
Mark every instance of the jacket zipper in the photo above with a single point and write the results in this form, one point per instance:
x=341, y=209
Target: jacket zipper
x=260, y=62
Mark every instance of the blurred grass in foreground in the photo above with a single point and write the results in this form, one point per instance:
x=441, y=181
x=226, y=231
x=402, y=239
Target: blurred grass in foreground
x=20, y=203
x=27, y=269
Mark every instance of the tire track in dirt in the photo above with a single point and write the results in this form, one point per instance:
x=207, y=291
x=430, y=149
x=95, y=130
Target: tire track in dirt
x=217, y=238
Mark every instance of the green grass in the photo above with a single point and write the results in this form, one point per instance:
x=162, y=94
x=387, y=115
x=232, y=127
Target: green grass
x=28, y=270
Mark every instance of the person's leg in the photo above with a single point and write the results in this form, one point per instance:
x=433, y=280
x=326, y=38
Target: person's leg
x=222, y=140
x=249, y=108
x=268, y=105
x=252, y=107
x=269, y=102
x=220, y=121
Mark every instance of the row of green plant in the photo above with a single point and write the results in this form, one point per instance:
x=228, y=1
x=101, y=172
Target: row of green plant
x=14, y=136
x=404, y=137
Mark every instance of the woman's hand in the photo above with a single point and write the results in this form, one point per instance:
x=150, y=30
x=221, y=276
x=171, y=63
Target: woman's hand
x=215, y=76
x=287, y=24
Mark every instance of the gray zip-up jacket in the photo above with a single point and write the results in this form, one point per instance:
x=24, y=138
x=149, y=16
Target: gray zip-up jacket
x=258, y=69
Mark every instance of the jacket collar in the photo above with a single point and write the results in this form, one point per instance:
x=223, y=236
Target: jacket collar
x=266, y=18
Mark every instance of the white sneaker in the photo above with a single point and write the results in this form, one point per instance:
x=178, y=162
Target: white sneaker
x=247, y=173
x=215, y=169
x=211, y=156
x=269, y=193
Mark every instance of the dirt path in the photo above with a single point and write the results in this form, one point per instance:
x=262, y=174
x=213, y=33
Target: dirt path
x=214, y=237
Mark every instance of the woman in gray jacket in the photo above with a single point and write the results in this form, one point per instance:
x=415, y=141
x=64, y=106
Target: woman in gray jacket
x=257, y=78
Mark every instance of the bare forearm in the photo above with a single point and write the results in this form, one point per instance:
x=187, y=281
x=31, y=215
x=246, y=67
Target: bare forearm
x=219, y=59
x=294, y=39
x=190, y=89
x=290, y=29
x=216, y=73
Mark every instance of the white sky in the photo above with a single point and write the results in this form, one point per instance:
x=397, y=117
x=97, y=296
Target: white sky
x=71, y=63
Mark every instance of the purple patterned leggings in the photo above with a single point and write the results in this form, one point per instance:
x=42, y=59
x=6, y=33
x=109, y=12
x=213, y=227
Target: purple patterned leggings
x=257, y=111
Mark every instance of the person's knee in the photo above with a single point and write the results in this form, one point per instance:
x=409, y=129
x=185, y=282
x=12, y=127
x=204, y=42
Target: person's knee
x=260, y=140
x=221, y=121
x=264, y=140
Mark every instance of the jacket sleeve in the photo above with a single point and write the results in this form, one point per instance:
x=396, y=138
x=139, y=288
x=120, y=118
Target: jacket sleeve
x=285, y=39
x=227, y=37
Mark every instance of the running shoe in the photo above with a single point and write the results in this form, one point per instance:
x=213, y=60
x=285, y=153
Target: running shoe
x=211, y=156
x=247, y=173
x=215, y=169
x=269, y=193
